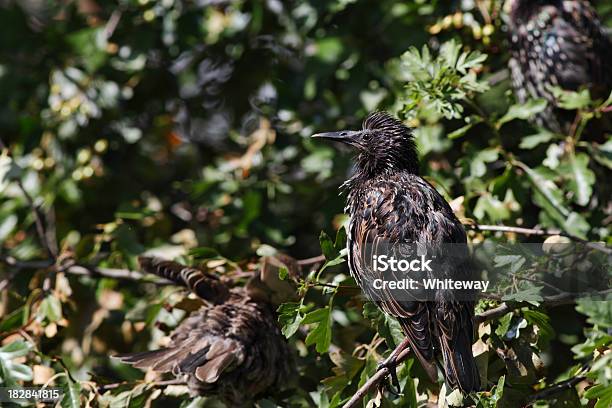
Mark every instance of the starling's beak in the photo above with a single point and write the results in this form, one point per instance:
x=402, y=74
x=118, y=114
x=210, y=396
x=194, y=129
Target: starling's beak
x=345, y=136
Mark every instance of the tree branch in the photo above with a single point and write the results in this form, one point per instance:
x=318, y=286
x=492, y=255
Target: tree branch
x=84, y=270
x=548, y=301
x=373, y=381
x=73, y=268
x=539, y=232
x=311, y=261
x=554, y=389
x=105, y=387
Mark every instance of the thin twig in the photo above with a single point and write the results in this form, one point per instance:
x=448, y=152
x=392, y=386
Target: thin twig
x=105, y=387
x=539, y=232
x=373, y=381
x=548, y=301
x=83, y=270
x=41, y=231
x=554, y=389
x=86, y=270
x=311, y=261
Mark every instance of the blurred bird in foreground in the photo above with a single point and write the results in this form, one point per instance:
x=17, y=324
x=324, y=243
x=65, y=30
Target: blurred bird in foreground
x=230, y=347
x=388, y=202
x=558, y=43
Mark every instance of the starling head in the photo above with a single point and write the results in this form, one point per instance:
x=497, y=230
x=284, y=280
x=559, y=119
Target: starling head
x=384, y=143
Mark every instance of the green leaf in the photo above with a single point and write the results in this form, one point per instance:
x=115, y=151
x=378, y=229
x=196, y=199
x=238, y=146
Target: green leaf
x=86, y=44
x=340, y=242
x=602, y=153
x=15, y=349
x=320, y=335
x=550, y=198
x=72, y=392
x=7, y=225
x=529, y=295
x=12, y=320
x=456, y=134
x=599, y=311
x=329, y=49
x=504, y=324
x=290, y=318
x=582, y=178
x=51, y=308
x=340, y=259
x=440, y=84
x=327, y=247
x=603, y=394
x=478, y=167
x=542, y=321
x=531, y=141
x=522, y=111
x=572, y=100
x=11, y=372
x=494, y=208
x=283, y=272
x=203, y=253
x=499, y=390
x=134, y=398
x=513, y=261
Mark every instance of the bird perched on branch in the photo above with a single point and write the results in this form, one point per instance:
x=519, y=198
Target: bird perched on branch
x=389, y=203
x=230, y=347
x=557, y=43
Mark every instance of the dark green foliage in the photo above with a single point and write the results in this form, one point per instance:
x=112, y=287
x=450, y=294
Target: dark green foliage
x=181, y=128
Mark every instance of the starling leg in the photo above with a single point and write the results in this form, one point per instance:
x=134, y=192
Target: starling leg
x=390, y=363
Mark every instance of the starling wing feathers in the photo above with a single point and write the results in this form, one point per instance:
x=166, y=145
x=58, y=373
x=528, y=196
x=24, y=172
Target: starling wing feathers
x=231, y=346
x=404, y=208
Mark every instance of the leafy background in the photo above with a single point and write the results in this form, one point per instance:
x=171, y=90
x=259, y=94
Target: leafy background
x=181, y=128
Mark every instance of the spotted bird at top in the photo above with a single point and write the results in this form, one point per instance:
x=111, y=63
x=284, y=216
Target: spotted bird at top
x=558, y=43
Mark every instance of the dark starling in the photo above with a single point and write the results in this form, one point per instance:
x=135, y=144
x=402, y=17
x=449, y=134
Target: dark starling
x=388, y=202
x=557, y=43
x=231, y=347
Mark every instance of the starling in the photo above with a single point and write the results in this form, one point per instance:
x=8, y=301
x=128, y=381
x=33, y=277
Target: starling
x=231, y=347
x=555, y=43
x=389, y=202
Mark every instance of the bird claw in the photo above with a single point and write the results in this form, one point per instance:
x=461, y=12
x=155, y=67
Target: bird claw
x=393, y=386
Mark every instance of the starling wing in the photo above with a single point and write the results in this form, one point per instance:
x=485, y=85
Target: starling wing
x=231, y=346
x=402, y=208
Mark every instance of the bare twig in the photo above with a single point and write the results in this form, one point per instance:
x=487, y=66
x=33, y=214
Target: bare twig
x=105, y=387
x=73, y=268
x=115, y=274
x=539, y=232
x=373, y=381
x=548, y=301
x=554, y=389
x=311, y=261
x=41, y=230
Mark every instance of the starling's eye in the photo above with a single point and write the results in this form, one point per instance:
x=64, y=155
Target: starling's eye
x=343, y=133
